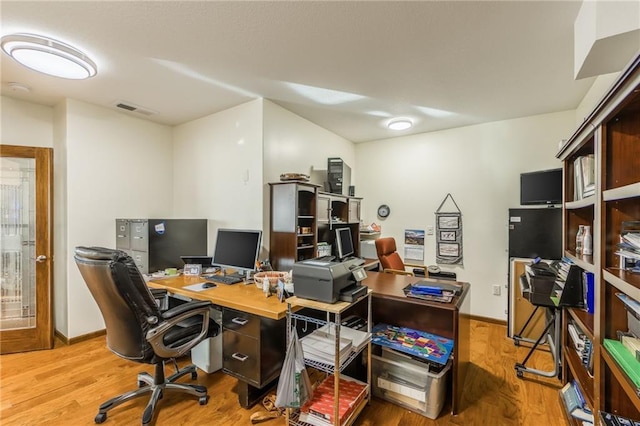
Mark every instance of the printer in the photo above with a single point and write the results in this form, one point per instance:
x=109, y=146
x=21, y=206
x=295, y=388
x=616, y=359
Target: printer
x=329, y=281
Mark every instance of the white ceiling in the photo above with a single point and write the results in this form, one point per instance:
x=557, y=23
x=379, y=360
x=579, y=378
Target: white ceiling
x=346, y=66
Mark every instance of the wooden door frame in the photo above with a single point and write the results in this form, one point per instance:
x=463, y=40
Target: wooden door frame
x=42, y=337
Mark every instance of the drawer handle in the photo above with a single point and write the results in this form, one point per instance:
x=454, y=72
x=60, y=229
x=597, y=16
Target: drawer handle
x=240, y=357
x=240, y=321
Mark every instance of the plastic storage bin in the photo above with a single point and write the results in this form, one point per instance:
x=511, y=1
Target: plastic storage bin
x=409, y=383
x=207, y=355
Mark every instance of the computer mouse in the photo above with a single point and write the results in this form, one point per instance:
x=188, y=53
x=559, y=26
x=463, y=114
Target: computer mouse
x=208, y=285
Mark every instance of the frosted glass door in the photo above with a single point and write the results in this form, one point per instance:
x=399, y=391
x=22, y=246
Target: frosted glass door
x=17, y=264
x=26, y=249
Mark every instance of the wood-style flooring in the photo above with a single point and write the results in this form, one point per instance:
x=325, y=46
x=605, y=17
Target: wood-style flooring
x=65, y=386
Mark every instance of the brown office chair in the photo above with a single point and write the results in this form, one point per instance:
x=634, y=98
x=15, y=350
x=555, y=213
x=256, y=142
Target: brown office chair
x=390, y=260
x=136, y=328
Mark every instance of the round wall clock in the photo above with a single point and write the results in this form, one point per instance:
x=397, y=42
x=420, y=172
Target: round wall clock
x=383, y=211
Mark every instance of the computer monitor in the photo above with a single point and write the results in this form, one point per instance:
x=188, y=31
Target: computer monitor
x=344, y=243
x=237, y=249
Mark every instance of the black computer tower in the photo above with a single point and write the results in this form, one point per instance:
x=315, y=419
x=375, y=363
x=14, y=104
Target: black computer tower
x=338, y=176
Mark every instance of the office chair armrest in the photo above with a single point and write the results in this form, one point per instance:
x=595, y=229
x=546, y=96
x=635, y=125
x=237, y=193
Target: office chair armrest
x=185, y=307
x=158, y=293
x=155, y=336
x=397, y=271
x=415, y=265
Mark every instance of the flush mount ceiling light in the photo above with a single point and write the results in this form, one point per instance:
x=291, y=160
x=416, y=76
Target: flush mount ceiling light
x=48, y=56
x=400, y=124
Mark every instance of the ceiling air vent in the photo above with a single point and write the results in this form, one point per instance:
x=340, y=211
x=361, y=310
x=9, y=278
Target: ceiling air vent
x=128, y=106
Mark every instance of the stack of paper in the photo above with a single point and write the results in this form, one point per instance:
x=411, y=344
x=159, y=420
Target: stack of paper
x=320, y=346
x=359, y=339
x=319, y=411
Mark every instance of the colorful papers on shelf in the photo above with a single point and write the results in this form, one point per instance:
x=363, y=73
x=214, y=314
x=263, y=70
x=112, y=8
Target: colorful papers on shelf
x=420, y=344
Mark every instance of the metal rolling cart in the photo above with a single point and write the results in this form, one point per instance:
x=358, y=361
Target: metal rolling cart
x=332, y=310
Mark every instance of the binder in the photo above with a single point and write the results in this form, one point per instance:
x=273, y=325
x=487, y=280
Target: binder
x=589, y=290
x=625, y=360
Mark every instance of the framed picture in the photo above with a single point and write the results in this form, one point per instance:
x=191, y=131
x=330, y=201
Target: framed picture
x=448, y=222
x=449, y=249
x=192, y=269
x=447, y=235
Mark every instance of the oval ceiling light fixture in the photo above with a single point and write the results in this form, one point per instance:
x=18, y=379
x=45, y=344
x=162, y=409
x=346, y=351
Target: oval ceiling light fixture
x=400, y=124
x=48, y=56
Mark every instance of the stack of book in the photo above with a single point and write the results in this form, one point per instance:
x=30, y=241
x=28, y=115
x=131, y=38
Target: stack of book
x=633, y=313
x=582, y=345
x=632, y=343
x=608, y=419
x=629, y=246
x=575, y=403
x=438, y=291
x=584, y=177
x=319, y=411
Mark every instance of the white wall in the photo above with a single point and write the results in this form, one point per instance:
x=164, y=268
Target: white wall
x=599, y=88
x=217, y=163
x=480, y=166
x=26, y=124
x=117, y=166
x=293, y=144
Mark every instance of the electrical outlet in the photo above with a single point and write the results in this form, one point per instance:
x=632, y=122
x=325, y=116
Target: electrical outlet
x=496, y=289
x=430, y=230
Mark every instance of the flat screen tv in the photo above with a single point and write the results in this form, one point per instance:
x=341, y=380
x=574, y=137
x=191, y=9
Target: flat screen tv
x=541, y=187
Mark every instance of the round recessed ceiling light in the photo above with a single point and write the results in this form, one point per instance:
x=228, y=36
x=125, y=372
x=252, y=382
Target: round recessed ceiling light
x=48, y=56
x=18, y=87
x=400, y=124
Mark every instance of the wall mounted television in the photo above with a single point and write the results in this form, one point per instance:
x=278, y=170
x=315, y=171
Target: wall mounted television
x=542, y=187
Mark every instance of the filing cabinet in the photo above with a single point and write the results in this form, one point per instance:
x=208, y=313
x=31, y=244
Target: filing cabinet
x=157, y=244
x=253, y=347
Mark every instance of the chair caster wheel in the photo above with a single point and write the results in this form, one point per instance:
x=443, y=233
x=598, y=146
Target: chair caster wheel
x=516, y=342
x=100, y=418
x=194, y=375
x=160, y=395
x=203, y=400
x=141, y=384
x=520, y=374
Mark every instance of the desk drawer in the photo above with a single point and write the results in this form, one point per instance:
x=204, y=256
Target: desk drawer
x=241, y=322
x=241, y=356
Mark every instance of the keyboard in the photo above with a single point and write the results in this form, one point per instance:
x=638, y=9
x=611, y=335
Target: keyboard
x=223, y=279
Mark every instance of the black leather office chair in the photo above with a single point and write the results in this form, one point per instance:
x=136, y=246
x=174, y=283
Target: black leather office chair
x=136, y=328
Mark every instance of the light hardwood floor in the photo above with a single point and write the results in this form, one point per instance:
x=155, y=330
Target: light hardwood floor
x=65, y=386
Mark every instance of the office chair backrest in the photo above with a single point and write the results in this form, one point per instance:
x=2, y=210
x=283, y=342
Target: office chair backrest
x=123, y=298
x=388, y=254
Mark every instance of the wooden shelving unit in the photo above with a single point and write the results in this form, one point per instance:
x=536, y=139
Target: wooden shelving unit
x=302, y=216
x=612, y=134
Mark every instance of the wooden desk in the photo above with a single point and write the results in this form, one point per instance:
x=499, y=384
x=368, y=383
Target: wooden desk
x=247, y=298
x=253, y=332
x=389, y=305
